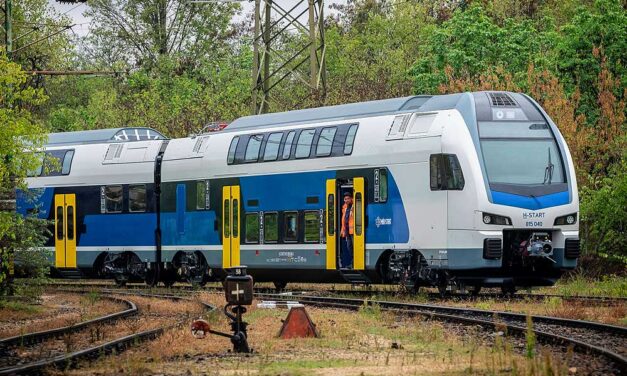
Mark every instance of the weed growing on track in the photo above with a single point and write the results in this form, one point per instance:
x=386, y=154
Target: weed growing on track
x=579, y=285
x=369, y=342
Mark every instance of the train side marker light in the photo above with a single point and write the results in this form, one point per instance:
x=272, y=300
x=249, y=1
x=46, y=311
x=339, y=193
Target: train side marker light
x=298, y=324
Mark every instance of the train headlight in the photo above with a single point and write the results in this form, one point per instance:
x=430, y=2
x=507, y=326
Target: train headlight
x=493, y=219
x=569, y=219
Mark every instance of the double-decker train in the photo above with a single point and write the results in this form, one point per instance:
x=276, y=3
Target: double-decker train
x=468, y=190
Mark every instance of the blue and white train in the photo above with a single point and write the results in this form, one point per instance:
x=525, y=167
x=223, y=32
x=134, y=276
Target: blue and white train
x=468, y=190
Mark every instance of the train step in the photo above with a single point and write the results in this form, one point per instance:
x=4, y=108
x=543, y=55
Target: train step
x=70, y=273
x=355, y=277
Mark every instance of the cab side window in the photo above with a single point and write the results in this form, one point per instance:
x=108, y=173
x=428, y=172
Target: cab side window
x=445, y=173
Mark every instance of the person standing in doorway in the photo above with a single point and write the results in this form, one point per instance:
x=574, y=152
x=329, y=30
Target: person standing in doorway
x=346, y=232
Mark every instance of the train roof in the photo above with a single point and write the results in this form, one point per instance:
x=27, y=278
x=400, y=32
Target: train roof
x=125, y=134
x=339, y=112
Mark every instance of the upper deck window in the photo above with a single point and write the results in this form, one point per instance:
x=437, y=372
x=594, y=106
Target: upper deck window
x=325, y=142
x=231, y=155
x=137, y=134
x=350, y=139
x=303, y=146
x=287, y=149
x=253, y=147
x=272, y=147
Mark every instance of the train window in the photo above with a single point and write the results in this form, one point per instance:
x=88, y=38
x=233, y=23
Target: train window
x=67, y=162
x=252, y=149
x=287, y=149
x=270, y=227
x=53, y=160
x=70, y=223
x=312, y=227
x=227, y=218
x=252, y=228
x=60, y=222
x=291, y=227
x=350, y=139
x=113, y=198
x=303, y=145
x=272, y=147
x=331, y=216
x=137, y=198
x=235, y=218
x=38, y=168
x=381, y=185
x=202, y=195
x=445, y=172
x=231, y=156
x=358, y=218
x=325, y=142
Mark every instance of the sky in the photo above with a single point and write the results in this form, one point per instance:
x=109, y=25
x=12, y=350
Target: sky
x=75, y=11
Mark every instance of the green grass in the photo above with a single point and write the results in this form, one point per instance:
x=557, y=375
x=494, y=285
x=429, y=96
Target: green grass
x=301, y=366
x=612, y=285
x=20, y=307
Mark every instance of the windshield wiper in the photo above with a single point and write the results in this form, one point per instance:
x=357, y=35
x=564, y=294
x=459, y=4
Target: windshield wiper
x=548, y=171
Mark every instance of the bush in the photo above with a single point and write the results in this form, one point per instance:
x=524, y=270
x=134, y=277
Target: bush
x=604, y=215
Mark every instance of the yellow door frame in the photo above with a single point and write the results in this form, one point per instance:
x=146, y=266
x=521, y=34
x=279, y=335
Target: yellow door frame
x=331, y=220
x=231, y=228
x=65, y=230
x=59, y=231
x=359, y=237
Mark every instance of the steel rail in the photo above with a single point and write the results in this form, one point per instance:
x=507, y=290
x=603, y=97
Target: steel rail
x=485, y=318
x=36, y=337
x=434, y=295
x=118, y=345
x=68, y=360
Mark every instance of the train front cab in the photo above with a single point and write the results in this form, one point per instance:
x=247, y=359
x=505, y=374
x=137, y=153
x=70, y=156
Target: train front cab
x=515, y=223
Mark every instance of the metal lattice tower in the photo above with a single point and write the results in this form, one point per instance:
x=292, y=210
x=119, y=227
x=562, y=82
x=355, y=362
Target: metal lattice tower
x=266, y=76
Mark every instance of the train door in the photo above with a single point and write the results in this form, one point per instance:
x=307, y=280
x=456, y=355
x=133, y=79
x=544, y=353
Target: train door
x=334, y=201
x=230, y=226
x=359, y=237
x=65, y=230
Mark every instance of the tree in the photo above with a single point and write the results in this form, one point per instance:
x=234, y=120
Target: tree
x=20, y=137
x=604, y=25
x=475, y=43
x=139, y=32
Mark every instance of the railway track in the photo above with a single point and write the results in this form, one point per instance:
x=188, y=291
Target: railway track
x=182, y=289
x=67, y=360
x=604, y=340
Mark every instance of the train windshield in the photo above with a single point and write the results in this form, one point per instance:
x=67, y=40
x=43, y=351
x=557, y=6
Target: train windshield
x=521, y=153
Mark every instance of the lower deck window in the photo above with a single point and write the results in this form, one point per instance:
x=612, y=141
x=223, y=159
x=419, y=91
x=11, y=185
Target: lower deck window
x=137, y=198
x=291, y=227
x=312, y=227
x=252, y=228
x=270, y=227
x=113, y=198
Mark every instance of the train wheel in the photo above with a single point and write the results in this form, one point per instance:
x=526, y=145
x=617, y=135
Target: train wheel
x=508, y=290
x=474, y=290
x=442, y=289
x=152, y=277
x=120, y=281
x=280, y=285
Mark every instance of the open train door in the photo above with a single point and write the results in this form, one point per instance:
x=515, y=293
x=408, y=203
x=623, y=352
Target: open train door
x=230, y=226
x=359, y=237
x=331, y=203
x=65, y=230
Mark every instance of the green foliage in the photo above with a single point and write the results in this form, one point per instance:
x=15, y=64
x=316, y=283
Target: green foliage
x=20, y=137
x=604, y=25
x=604, y=212
x=475, y=42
